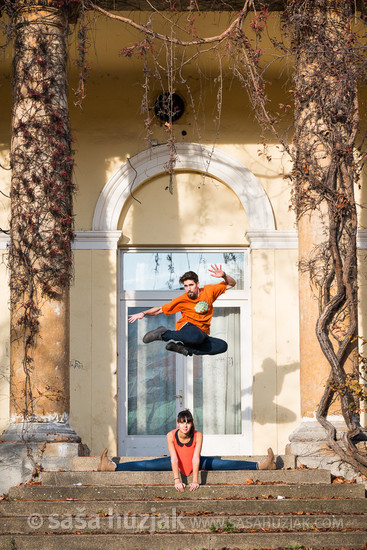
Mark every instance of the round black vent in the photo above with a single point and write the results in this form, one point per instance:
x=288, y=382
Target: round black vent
x=169, y=107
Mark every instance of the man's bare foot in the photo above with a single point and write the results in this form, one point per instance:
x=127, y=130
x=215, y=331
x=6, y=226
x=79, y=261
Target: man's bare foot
x=105, y=464
x=269, y=462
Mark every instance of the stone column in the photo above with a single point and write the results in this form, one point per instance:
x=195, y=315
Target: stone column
x=41, y=230
x=312, y=163
x=320, y=38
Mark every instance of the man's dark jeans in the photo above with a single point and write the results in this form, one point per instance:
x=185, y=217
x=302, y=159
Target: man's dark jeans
x=196, y=341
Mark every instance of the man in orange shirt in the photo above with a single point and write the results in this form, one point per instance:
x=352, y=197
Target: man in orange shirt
x=191, y=336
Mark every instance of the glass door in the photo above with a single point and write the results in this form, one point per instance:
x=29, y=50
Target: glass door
x=155, y=387
x=156, y=384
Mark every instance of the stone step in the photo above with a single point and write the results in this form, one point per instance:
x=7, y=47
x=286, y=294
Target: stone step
x=190, y=541
x=232, y=510
x=205, y=492
x=21, y=508
x=177, y=522
x=205, y=477
x=90, y=463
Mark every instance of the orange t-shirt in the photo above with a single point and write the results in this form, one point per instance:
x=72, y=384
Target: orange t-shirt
x=185, y=452
x=186, y=305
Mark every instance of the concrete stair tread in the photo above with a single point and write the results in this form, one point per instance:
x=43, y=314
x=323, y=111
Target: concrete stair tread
x=171, y=522
x=133, y=492
x=242, y=506
x=176, y=541
x=233, y=476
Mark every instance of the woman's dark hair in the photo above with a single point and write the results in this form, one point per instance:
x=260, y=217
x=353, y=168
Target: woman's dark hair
x=186, y=416
x=189, y=275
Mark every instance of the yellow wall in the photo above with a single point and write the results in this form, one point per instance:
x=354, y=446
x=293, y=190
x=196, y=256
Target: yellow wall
x=200, y=211
x=111, y=126
x=93, y=377
x=276, y=394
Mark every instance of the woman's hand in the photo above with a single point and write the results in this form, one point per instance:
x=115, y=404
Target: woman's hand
x=194, y=486
x=179, y=486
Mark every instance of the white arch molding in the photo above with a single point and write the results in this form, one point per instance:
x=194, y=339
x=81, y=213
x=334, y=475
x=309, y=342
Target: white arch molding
x=190, y=156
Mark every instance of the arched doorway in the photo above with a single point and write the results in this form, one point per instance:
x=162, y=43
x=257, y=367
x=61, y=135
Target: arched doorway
x=163, y=236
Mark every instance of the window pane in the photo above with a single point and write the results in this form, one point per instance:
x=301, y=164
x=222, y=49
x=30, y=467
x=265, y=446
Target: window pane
x=162, y=270
x=151, y=379
x=217, y=379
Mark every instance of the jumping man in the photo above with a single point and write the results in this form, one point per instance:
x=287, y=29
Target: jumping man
x=191, y=336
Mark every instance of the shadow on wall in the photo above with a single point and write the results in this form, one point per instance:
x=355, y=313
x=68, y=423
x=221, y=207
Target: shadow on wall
x=267, y=385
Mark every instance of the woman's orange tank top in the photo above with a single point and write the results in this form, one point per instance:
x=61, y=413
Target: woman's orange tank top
x=185, y=452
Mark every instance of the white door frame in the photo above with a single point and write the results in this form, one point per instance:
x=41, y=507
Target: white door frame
x=232, y=444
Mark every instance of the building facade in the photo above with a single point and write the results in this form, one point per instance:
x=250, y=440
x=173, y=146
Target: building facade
x=138, y=230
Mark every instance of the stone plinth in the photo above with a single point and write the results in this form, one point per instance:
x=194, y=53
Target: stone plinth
x=27, y=447
x=309, y=445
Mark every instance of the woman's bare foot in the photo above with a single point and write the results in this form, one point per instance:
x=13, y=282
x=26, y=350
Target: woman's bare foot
x=269, y=462
x=105, y=464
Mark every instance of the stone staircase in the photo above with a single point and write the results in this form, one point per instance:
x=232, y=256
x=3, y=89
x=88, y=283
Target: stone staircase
x=285, y=508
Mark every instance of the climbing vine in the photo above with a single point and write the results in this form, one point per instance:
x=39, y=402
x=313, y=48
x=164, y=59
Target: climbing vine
x=330, y=62
x=41, y=227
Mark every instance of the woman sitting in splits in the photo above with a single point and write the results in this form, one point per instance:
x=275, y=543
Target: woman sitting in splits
x=184, y=446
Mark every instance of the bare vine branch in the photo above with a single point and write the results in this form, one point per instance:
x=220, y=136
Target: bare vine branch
x=148, y=31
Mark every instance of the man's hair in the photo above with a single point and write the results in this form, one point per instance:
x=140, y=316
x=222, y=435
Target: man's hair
x=189, y=275
x=186, y=416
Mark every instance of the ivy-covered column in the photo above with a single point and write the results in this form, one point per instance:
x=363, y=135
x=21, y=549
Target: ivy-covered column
x=325, y=130
x=41, y=225
x=326, y=120
x=325, y=172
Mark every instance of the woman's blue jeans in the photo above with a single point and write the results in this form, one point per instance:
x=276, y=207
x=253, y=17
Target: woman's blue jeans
x=195, y=340
x=206, y=463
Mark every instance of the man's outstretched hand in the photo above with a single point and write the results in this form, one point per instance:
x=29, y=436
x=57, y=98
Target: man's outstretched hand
x=151, y=312
x=216, y=271
x=135, y=317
